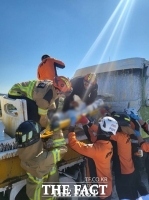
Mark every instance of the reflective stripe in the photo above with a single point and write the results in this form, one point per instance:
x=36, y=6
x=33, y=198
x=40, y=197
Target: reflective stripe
x=59, y=142
x=13, y=91
x=30, y=89
x=39, y=182
x=38, y=191
x=42, y=111
x=51, y=198
x=34, y=179
x=56, y=154
x=53, y=170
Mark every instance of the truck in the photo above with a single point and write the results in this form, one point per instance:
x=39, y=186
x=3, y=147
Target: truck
x=121, y=84
x=12, y=176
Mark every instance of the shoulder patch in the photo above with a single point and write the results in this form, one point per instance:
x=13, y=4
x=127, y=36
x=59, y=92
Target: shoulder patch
x=41, y=85
x=48, y=96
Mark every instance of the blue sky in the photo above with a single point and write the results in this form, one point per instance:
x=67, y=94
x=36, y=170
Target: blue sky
x=81, y=33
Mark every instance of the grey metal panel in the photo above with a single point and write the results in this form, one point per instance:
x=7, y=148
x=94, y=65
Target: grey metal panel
x=130, y=63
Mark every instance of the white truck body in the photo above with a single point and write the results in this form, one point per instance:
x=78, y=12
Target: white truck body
x=12, y=176
x=123, y=84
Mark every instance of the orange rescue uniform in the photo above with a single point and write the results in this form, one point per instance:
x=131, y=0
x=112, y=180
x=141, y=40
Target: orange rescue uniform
x=101, y=152
x=124, y=149
x=124, y=152
x=47, y=68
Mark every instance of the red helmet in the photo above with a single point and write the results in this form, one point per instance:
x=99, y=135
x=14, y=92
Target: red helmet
x=62, y=83
x=91, y=78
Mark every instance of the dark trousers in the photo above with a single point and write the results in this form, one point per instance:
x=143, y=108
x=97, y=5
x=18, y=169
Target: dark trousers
x=125, y=186
x=147, y=165
x=32, y=108
x=140, y=186
x=22, y=194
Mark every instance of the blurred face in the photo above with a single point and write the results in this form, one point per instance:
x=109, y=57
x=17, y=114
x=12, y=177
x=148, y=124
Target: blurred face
x=86, y=84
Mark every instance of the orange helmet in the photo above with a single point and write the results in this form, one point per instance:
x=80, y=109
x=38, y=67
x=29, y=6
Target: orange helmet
x=62, y=83
x=91, y=78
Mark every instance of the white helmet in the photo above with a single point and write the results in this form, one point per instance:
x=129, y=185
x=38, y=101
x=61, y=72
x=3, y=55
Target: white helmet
x=108, y=124
x=131, y=111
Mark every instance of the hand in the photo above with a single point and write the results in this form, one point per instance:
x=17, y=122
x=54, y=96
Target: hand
x=136, y=117
x=137, y=133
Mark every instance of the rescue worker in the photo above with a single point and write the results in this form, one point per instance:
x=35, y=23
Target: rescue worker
x=39, y=162
x=145, y=126
x=100, y=151
x=40, y=96
x=47, y=71
x=122, y=158
x=123, y=166
x=136, y=156
x=47, y=68
x=85, y=87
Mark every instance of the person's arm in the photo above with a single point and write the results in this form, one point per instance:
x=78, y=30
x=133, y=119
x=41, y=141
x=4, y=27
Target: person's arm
x=93, y=128
x=67, y=102
x=144, y=145
x=58, y=63
x=80, y=147
x=55, y=140
x=134, y=124
x=50, y=158
x=92, y=96
x=43, y=103
x=145, y=126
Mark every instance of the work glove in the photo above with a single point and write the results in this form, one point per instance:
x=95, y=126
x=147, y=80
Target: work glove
x=137, y=133
x=136, y=117
x=71, y=129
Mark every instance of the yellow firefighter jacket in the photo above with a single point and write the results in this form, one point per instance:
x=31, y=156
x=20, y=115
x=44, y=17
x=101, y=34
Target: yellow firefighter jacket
x=42, y=92
x=40, y=165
